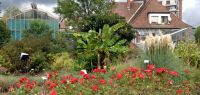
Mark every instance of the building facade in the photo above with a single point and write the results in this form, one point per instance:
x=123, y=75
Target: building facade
x=152, y=16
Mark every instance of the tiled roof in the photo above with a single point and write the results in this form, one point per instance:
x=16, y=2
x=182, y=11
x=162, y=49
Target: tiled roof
x=140, y=20
x=121, y=9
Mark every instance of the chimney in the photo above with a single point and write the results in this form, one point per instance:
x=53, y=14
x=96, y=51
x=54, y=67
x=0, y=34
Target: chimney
x=129, y=4
x=180, y=8
x=33, y=5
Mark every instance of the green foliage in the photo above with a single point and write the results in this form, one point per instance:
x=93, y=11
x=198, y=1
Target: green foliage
x=189, y=52
x=197, y=34
x=37, y=42
x=96, y=22
x=105, y=41
x=5, y=34
x=38, y=28
x=76, y=10
x=11, y=11
x=62, y=61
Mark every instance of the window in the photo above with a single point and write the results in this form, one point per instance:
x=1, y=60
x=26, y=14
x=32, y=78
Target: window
x=164, y=19
x=154, y=19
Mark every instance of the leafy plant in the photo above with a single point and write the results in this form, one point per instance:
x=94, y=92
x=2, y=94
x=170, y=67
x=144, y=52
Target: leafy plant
x=5, y=33
x=103, y=42
x=189, y=52
x=197, y=34
x=62, y=61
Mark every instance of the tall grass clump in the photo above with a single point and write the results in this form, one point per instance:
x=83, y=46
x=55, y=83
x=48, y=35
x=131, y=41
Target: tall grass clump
x=159, y=51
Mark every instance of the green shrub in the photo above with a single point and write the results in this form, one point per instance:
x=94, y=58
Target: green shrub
x=197, y=34
x=62, y=61
x=189, y=52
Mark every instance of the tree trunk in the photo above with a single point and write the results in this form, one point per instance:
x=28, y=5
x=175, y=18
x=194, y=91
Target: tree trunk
x=108, y=57
x=99, y=58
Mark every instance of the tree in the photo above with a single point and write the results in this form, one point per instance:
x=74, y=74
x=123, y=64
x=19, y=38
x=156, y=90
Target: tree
x=11, y=11
x=103, y=42
x=97, y=21
x=197, y=34
x=4, y=33
x=76, y=10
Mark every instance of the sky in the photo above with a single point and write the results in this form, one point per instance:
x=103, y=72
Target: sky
x=191, y=15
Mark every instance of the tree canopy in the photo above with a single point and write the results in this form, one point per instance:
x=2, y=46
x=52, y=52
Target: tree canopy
x=75, y=10
x=4, y=33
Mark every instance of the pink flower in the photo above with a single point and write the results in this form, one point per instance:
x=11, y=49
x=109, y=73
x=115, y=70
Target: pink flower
x=18, y=85
x=102, y=81
x=53, y=92
x=151, y=67
x=170, y=82
x=113, y=68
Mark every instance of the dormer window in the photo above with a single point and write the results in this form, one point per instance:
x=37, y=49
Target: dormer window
x=164, y=20
x=159, y=18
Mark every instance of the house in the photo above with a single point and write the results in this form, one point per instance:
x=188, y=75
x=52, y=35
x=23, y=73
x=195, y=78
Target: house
x=152, y=16
x=20, y=22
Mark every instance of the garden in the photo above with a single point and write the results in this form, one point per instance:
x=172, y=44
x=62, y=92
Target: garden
x=96, y=57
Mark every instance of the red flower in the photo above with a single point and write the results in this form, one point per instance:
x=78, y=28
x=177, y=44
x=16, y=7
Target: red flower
x=151, y=67
x=134, y=70
x=174, y=73
x=141, y=75
x=112, y=77
x=56, y=72
x=82, y=72
x=102, y=81
x=64, y=80
x=81, y=81
x=11, y=88
x=95, y=87
x=97, y=70
x=179, y=91
x=49, y=75
x=86, y=76
x=53, y=92
x=147, y=71
x=134, y=75
x=160, y=70
x=119, y=76
x=103, y=70
x=29, y=86
x=186, y=71
x=113, y=68
x=170, y=82
x=53, y=85
x=110, y=81
x=73, y=80
x=94, y=77
x=24, y=80
x=18, y=85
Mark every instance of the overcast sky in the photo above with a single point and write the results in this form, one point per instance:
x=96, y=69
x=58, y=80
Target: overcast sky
x=191, y=8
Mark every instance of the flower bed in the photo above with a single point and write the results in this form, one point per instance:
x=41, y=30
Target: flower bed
x=134, y=81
